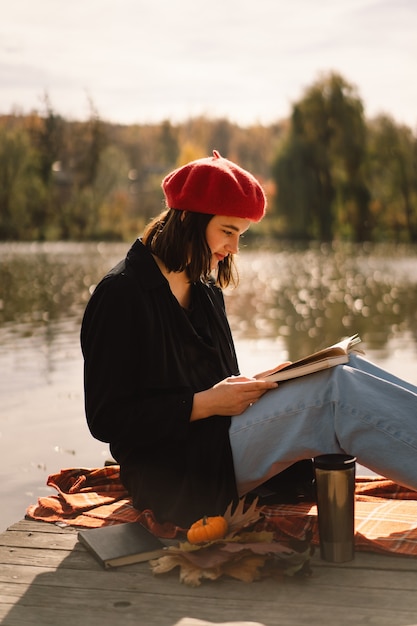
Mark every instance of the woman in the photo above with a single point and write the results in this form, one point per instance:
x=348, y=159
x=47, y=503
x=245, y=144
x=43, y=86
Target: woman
x=162, y=383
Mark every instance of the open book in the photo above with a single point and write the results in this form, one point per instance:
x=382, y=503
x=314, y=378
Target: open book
x=328, y=357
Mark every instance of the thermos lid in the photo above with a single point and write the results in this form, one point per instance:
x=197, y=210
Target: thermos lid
x=334, y=461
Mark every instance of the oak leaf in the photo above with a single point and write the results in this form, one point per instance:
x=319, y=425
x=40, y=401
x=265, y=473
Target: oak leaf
x=241, y=517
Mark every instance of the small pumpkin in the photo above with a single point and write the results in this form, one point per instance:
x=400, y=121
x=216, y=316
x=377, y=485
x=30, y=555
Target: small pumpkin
x=207, y=529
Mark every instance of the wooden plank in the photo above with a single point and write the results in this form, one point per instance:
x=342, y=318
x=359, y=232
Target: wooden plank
x=44, y=557
x=370, y=560
x=96, y=592
x=132, y=608
x=140, y=577
x=87, y=591
x=41, y=527
x=47, y=578
x=37, y=540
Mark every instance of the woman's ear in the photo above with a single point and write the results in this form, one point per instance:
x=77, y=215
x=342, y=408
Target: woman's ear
x=183, y=215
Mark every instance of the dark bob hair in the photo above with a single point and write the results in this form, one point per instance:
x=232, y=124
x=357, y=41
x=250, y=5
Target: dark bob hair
x=178, y=238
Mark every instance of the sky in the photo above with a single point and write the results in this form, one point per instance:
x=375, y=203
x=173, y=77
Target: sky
x=144, y=61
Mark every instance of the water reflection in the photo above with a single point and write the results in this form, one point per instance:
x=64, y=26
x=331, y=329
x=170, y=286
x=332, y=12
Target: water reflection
x=42, y=285
x=43, y=292
x=310, y=297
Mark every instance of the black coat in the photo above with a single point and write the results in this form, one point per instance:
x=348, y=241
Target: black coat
x=145, y=357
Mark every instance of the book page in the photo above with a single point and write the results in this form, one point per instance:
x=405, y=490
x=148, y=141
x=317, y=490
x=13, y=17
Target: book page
x=338, y=349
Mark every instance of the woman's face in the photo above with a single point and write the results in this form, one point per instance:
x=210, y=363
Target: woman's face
x=222, y=236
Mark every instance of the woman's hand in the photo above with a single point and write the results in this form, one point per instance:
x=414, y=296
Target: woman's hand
x=230, y=396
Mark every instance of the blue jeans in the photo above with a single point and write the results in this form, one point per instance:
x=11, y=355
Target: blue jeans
x=357, y=409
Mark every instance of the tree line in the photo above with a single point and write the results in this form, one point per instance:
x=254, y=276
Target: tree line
x=329, y=172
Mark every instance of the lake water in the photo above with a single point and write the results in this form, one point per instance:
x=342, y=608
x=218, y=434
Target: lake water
x=290, y=301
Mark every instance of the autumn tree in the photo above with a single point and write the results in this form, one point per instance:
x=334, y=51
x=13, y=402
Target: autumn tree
x=168, y=144
x=21, y=192
x=47, y=133
x=393, y=177
x=319, y=171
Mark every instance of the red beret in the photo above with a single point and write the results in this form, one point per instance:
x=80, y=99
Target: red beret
x=216, y=186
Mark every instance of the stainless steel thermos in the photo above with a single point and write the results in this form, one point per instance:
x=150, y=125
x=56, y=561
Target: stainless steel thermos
x=335, y=486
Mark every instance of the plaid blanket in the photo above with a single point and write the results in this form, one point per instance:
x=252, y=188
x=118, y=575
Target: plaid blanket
x=93, y=497
x=385, y=513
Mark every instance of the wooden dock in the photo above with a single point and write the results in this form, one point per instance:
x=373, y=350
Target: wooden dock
x=47, y=578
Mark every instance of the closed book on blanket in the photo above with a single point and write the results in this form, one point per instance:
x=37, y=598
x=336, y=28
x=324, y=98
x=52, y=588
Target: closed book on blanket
x=122, y=544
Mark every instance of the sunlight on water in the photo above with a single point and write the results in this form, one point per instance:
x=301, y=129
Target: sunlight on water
x=307, y=297
x=311, y=298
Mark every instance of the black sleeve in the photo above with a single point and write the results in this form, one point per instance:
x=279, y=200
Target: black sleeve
x=122, y=403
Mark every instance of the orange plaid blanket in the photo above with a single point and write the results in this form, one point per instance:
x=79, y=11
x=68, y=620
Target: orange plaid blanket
x=93, y=497
x=385, y=513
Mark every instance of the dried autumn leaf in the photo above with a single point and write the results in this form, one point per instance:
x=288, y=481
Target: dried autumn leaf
x=216, y=555
x=246, y=562
x=164, y=564
x=247, y=569
x=186, y=546
x=193, y=576
x=253, y=536
x=240, y=518
x=190, y=574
